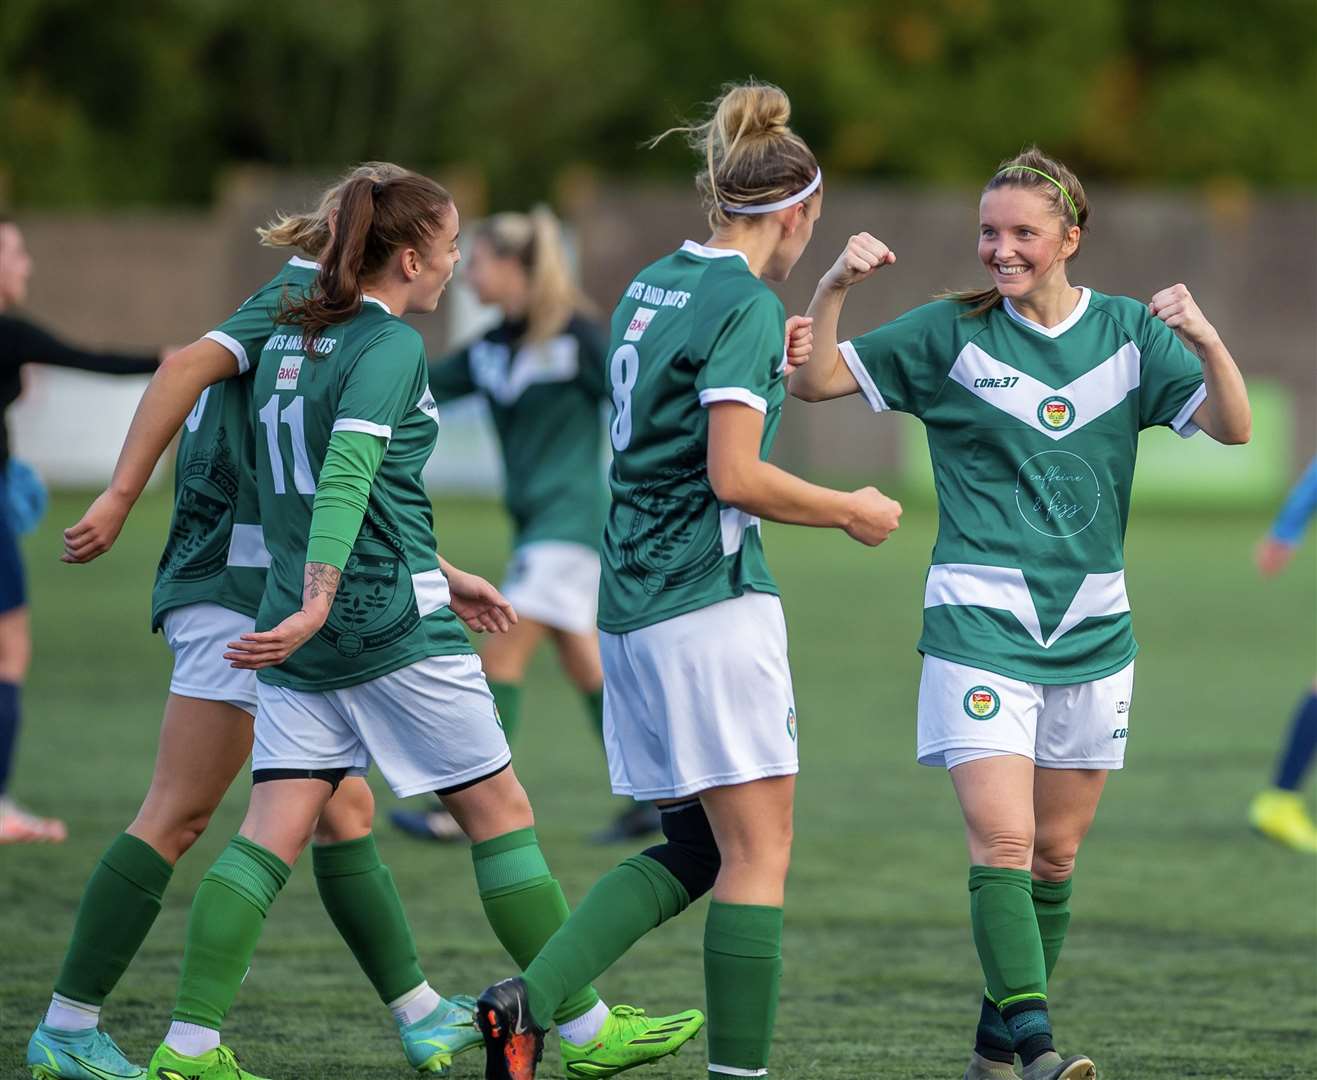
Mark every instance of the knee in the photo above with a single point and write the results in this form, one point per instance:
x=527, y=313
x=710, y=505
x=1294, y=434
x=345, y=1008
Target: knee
x=349, y=814
x=1009, y=848
x=690, y=853
x=172, y=835
x=1054, y=862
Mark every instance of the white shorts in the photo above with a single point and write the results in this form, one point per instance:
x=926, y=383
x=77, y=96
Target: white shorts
x=700, y=701
x=430, y=726
x=967, y=713
x=199, y=636
x=555, y=582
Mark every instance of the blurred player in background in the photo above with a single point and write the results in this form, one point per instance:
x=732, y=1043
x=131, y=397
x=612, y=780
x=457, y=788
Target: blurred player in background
x=1033, y=393
x=1280, y=812
x=699, y=712
x=21, y=343
x=208, y=588
x=541, y=370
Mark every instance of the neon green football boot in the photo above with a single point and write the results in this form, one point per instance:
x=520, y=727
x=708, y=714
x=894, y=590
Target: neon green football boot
x=629, y=1038
x=218, y=1064
x=432, y=1043
x=1283, y=816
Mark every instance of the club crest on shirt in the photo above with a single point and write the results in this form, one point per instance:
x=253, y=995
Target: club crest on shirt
x=982, y=702
x=1056, y=413
x=791, y=723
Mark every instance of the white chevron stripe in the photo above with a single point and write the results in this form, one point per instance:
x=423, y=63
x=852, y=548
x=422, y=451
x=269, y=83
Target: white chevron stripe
x=1092, y=394
x=1004, y=588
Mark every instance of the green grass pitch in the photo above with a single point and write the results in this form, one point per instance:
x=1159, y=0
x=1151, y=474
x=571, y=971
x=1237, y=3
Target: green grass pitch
x=1192, y=952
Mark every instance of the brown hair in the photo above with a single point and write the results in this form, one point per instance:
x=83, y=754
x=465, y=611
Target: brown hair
x=535, y=239
x=1022, y=171
x=375, y=219
x=751, y=155
x=310, y=231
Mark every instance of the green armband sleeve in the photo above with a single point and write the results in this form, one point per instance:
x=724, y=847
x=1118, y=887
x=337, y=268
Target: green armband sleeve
x=351, y=461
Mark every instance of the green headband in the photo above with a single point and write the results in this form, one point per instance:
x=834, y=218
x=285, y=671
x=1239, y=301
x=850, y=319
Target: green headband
x=1051, y=180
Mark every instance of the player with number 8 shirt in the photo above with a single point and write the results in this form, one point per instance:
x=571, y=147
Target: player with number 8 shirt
x=1033, y=393
x=699, y=712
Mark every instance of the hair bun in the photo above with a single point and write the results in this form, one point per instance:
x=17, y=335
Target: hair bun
x=751, y=109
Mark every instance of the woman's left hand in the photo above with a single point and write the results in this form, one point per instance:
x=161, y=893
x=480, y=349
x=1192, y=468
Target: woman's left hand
x=478, y=604
x=800, y=342
x=271, y=647
x=1177, y=308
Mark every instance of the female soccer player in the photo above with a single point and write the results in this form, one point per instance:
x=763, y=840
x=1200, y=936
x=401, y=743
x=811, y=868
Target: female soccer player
x=541, y=369
x=1033, y=392
x=384, y=673
x=208, y=588
x=23, y=343
x=1280, y=812
x=698, y=708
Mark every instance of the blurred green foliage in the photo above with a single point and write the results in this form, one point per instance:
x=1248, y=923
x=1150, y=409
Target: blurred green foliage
x=147, y=101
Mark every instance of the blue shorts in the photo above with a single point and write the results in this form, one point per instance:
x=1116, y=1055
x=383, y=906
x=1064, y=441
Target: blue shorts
x=13, y=584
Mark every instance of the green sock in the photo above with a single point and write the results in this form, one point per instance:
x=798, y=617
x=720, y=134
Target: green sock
x=594, y=705
x=525, y=906
x=1011, y=953
x=119, y=904
x=507, y=700
x=742, y=972
x=359, y=894
x=1006, y=934
x=227, y=915
x=1051, y=905
x=624, y=905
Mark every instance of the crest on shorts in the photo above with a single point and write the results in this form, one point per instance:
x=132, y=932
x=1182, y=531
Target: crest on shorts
x=1056, y=413
x=791, y=723
x=982, y=703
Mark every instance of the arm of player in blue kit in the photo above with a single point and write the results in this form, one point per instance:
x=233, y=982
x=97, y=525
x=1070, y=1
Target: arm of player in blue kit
x=1299, y=508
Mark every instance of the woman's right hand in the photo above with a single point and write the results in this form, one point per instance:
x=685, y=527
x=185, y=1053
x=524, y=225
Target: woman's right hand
x=874, y=517
x=98, y=528
x=864, y=254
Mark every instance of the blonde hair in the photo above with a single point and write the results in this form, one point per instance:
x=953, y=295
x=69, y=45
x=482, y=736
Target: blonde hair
x=1035, y=171
x=751, y=155
x=310, y=231
x=536, y=241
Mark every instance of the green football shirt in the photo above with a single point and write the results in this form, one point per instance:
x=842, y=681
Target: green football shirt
x=545, y=400
x=1033, y=433
x=692, y=329
x=367, y=375
x=216, y=553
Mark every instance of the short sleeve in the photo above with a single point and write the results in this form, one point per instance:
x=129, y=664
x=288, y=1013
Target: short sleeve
x=382, y=384
x=739, y=350
x=902, y=364
x=244, y=333
x=590, y=349
x=450, y=377
x=1170, y=380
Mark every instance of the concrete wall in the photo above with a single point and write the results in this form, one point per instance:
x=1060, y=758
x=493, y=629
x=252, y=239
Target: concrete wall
x=136, y=280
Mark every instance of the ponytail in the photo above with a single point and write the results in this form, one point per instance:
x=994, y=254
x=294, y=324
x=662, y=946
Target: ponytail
x=375, y=219
x=752, y=158
x=310, y=231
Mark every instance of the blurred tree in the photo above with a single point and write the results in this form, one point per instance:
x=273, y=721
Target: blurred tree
x=145, y=101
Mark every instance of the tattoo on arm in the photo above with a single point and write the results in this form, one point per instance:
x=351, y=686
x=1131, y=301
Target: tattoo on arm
x=321, y=579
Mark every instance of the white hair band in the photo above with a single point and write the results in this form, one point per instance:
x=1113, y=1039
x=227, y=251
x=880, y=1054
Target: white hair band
x=769, y=208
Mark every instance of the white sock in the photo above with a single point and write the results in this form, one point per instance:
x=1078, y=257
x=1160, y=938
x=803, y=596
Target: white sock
x=191, y=1040
x=65, y=1014
x=586, y=1026
x=416, y=1004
